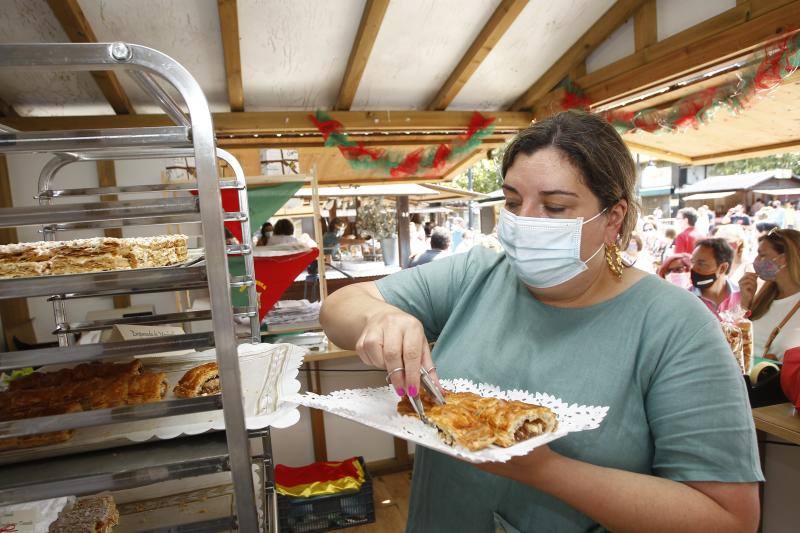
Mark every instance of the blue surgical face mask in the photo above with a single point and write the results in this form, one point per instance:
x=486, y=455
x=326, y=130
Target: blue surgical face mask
x=544, y=252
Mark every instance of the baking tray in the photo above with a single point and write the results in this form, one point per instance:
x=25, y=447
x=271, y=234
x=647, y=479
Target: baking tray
x=269, y=384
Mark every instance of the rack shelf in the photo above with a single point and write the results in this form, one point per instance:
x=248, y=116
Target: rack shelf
x=67, y=141
x=191, y=136
x=107, y=350
x=209, y=526
x=96, y=211
x=155, y=187
x=116, y=415
x=94, y=283
x=122, y=468
x=167, y=318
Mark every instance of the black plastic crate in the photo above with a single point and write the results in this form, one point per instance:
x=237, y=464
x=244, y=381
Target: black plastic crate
x=330, y=512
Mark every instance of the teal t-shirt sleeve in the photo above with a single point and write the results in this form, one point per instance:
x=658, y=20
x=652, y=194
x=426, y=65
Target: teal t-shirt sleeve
x=429, y=292
x=698, y=410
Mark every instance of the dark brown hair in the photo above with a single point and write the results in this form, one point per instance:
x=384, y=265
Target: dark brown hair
x=722, y=251
x=595, y=149
x=283, y=227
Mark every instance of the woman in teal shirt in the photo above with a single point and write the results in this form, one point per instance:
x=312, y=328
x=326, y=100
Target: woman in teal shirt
x=558, y=312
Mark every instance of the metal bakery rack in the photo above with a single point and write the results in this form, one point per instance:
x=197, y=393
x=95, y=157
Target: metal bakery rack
x=191, y=136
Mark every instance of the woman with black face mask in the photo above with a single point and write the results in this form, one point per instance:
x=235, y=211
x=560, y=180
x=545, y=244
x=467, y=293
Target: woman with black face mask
x=711, y=264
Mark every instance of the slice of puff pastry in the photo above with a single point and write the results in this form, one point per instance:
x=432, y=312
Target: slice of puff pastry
x=515, y=421
x=201, y=380
x=459, y=425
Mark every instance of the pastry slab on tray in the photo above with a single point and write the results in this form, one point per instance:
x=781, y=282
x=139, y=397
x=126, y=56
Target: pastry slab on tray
x=87, y=386
x=476, y=422
x=47, y=258
x=378, y=408
x=88, y=514
x=269, y=386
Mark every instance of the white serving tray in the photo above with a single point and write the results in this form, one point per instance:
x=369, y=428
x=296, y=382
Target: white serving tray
x=376, y=408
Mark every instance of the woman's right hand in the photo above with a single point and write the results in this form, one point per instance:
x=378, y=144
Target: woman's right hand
x=392, y=339
x=747, y=288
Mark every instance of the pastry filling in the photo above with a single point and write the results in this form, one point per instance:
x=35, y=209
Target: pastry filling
x=211, y=386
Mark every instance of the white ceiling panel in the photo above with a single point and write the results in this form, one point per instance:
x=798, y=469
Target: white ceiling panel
x=539, y=36
x=619, y=44
x=186, y=30
x=674, y=16
x=294, y=52
x=44, y=93
x=419, y=44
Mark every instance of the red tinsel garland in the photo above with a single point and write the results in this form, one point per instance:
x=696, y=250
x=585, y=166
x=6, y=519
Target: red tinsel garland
x=778, y=62
x=423, y=161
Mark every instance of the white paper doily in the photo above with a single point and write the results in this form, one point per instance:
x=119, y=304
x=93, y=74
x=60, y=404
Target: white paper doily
x=376, y=408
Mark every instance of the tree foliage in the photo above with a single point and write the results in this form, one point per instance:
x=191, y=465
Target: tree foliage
x=755, y=164
x=485, y=175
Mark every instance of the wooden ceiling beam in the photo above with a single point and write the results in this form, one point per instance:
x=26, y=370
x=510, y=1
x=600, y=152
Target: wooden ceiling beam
x=612, y=19
x=316, y=142
x=77, y=28
x=502, y=18
x=229, y=29
x=705, y=52
x=371, y=20
x=660, y=153
x=671, y=45
x=744, y=153
x=645, y=25
x=273, y=122
x=735, y=29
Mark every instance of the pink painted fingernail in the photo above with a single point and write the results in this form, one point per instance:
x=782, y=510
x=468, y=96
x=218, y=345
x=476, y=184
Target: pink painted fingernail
x=412, y=391
x=400, y=392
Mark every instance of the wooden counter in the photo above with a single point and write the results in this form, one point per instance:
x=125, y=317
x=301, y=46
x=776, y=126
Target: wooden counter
x=331, y=354
x=780, y=420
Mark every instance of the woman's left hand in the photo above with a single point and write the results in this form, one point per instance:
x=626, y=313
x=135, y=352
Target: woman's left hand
x=526, y=469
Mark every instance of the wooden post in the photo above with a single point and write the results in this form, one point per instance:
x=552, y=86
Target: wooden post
x=403, y=230
x=14, y=313
x=645, y=25
x=323, y=283
x=317, y=416
x=401, y=451
x=314, y=384
x=107, y=177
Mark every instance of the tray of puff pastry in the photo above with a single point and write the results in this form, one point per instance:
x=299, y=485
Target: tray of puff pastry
x=478, y=422
x=269, y=378
x=96, y=254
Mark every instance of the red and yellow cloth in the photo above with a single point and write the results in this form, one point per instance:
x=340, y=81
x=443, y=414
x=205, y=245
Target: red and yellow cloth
x=318, y=479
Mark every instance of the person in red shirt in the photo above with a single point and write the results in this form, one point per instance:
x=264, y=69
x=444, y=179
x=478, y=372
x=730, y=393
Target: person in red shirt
x=685, y=241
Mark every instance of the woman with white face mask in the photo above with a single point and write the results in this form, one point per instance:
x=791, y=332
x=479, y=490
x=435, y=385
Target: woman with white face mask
x=559, y=313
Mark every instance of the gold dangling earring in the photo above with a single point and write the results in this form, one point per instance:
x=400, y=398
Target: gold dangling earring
x=614, y=259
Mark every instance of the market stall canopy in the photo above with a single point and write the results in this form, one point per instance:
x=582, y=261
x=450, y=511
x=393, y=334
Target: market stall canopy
x=769, y=179
x=493, y=198
x=779, y=192
x=331, y=167
x=449, y=194
x=430, y=210
x=771, y=125
x=708, y=196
